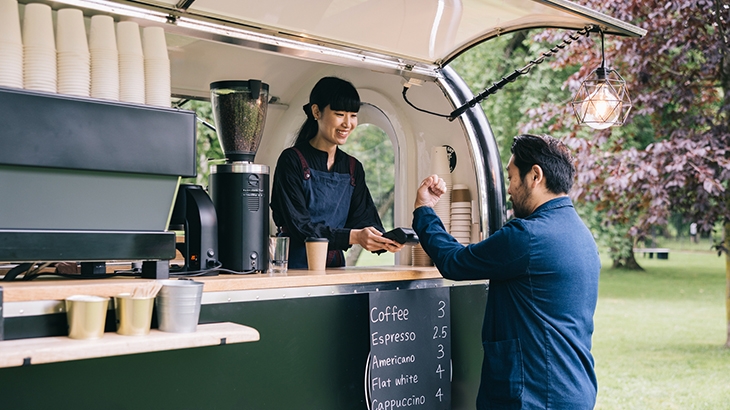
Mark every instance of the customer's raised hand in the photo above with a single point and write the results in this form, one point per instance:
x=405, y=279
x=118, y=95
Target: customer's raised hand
x=430, y=191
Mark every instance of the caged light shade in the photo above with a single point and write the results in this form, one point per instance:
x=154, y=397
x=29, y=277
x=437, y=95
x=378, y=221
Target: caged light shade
x=602, y=100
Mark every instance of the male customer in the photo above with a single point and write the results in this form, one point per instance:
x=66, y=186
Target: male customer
x=543, y=269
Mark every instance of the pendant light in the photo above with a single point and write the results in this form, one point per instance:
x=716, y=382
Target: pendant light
x=602, y=99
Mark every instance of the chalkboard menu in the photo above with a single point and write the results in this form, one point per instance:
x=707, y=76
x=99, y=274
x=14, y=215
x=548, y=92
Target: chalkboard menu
x=410, y=350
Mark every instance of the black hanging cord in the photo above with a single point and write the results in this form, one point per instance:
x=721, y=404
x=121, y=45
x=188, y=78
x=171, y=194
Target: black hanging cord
x=508, y=79
x=602, y=71
x=405, y=90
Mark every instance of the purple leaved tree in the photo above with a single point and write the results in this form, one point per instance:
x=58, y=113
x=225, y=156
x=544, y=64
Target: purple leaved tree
x=673, y=154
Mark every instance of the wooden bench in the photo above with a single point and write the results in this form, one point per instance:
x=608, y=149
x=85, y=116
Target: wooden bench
x=661, y=253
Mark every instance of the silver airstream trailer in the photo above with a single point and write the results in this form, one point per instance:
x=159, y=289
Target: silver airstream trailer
x=314, y=337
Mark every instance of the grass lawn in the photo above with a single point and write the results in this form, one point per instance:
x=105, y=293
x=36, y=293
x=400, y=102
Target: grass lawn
x=659, y=334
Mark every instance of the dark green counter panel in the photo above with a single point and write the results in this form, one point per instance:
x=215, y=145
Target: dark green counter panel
x=311, y=355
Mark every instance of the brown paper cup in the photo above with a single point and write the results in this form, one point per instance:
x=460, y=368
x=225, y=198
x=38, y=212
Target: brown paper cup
x=316, y=253
x=460, y=195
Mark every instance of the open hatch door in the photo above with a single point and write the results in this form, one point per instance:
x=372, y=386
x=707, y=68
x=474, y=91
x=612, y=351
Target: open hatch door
x=415, y=37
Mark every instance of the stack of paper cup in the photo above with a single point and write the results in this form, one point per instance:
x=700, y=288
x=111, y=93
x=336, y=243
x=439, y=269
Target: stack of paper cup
x=419, y=257
x=441, y=167
x=74, y=64
x=11, y=45
x=461, y=214
x=131, y=63
x=39, y=49
x=156, y=67
x=104, y=58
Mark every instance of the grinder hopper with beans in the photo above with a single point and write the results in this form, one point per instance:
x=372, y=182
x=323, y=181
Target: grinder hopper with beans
x=239, y=188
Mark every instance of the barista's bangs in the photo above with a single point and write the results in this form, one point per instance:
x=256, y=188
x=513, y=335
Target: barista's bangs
x=346, y=101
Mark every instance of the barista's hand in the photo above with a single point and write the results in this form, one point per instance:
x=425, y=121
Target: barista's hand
x=430, y=191
x=372, y=240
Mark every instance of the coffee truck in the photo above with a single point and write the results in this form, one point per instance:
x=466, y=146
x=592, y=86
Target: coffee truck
x=95, y=181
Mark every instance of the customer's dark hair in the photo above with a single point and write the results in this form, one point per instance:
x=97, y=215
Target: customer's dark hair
x=550, y=154
x=338, y=94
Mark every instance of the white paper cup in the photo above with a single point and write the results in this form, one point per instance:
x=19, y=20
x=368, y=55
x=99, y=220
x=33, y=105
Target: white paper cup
x=10, y=22
x=102, y=35
x=74, y=73
x=11, y=65
x=154, y=45
x=38, y=26
x=128, y=39
x=71, y=31
x=131, y=79
x=105, y=73
x=39, y=69
x=157, y=82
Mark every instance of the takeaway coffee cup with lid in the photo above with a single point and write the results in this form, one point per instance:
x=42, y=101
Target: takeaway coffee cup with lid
x=316, y=253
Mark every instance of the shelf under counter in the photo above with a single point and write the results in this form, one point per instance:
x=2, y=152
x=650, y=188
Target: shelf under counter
x=25, y=352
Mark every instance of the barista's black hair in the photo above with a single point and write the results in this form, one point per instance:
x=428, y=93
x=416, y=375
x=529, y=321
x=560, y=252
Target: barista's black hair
x=338, y=94
x=550, y=154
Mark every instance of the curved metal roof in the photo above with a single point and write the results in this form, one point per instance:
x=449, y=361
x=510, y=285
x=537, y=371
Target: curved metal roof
x=425, y=31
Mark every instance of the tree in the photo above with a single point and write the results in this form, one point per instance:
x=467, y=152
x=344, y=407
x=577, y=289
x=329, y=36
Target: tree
x=373, y=148
x=208, y=146
x=672, y=157
x=679, y=77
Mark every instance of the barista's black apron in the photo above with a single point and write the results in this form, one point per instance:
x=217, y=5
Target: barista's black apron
x=328, y=196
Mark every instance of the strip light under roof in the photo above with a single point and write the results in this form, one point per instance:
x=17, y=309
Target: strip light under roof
x=300, y=48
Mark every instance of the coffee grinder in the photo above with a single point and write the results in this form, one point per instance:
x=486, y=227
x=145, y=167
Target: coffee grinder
x=239, y=188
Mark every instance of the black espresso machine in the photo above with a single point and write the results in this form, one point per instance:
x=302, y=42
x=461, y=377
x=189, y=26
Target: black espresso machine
x=239, y=188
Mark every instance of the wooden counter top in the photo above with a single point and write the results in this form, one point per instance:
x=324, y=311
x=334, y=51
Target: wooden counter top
x=49, y=288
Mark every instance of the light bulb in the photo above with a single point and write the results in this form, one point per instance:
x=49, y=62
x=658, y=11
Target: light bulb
x=601, y=109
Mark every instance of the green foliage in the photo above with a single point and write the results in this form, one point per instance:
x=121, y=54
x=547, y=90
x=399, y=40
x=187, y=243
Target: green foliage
x=208, y=146
x=508, y=110
x=658, y=335
x=670, y=157
x=480, y=67
x=609, y=236
x=372, y=146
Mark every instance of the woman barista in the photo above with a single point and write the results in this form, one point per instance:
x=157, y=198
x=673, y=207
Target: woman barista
x=319, y=190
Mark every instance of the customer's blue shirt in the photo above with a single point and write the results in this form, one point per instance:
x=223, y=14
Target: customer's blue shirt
x=543, y=288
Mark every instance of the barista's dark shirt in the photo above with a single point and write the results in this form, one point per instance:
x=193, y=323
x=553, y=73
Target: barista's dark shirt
x=543, y=288
x=289, y=207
